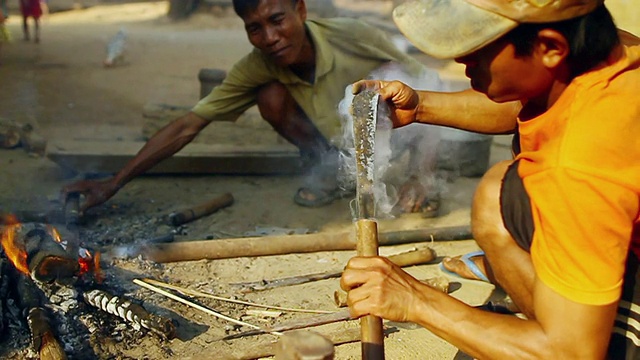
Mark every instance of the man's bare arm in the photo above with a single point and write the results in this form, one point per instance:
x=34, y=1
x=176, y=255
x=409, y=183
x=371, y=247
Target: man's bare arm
x=467, y=110
x=162, y=145
x=562, y=329
x=166, y=142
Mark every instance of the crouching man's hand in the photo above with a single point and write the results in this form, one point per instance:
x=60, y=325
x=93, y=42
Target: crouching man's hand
x=378, y=287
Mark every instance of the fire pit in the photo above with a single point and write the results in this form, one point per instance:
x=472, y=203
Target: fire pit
x=57, y=287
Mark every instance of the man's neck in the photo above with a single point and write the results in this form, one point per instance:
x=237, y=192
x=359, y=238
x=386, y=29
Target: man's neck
x=305, y=67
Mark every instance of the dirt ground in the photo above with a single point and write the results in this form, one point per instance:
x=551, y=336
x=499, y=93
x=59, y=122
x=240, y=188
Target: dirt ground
x=61, y=86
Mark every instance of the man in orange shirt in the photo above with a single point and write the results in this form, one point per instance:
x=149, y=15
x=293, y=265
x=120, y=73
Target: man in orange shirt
x=560, y=225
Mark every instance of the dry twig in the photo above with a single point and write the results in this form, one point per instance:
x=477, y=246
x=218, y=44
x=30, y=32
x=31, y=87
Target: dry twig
x=200, y=307
x=210, y=296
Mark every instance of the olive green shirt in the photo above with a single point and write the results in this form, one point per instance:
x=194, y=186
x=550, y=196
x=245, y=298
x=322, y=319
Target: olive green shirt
x=347, y=50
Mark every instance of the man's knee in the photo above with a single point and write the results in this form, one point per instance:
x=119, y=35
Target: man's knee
x=274, y=102
x=486, y=217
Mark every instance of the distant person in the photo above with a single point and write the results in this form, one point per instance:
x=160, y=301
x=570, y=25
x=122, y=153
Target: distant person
x=296, y=74
x=5, y=36
x=31, y=9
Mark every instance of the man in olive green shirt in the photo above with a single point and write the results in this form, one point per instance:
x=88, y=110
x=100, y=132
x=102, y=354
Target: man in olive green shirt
x=296, y=75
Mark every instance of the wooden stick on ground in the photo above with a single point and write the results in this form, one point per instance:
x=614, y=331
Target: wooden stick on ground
x=199, y=307
x=201, y=294
x=306, y=345
x=289, y=244
x=337, y=316
x=413, y=257
x=264, y=347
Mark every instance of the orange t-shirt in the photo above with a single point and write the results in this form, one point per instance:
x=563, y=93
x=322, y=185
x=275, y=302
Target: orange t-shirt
x=580, y=165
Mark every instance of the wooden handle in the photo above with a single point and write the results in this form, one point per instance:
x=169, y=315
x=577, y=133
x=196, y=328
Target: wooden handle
x=198, y=211
x=371, y=329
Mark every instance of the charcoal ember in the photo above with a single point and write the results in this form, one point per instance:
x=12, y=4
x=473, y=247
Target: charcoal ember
x=4, y=289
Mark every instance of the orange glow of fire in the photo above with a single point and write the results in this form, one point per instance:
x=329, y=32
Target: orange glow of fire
x=15, y=252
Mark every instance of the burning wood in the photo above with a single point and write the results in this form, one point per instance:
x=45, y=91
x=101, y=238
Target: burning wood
x=138, y=316
x=38, y=251
x=44, y=341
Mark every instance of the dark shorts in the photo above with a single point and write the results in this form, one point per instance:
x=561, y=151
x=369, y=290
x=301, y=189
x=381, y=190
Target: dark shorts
x=516, y=215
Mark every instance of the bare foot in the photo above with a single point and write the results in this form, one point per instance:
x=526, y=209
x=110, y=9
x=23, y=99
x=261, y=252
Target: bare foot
x=458, y=266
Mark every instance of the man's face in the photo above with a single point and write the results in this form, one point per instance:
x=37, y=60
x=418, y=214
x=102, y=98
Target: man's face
x=496, y=71
x=276, y=27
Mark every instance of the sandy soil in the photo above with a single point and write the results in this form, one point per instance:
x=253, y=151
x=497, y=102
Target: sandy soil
x=61, y=86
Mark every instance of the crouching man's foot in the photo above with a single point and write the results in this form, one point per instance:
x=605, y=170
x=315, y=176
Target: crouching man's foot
x=321, y=185
x=470, y=266
x=415, y=198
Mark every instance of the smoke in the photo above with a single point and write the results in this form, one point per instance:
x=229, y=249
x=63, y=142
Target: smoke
x=392, y=146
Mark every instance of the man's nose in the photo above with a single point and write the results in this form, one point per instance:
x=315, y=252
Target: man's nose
x=271, y=36
x=467, y=60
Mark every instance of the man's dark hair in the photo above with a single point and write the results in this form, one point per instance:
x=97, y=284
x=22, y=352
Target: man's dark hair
x=242, y=7
x=591, y=38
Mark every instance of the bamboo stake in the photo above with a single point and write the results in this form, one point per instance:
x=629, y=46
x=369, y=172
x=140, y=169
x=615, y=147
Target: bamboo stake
x=371, y=326
x=210, y=296
x=199, y=307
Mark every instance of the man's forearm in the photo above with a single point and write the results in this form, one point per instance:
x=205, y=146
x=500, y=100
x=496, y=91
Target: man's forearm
x=562, y=329
x=481, y=334
x=467, y=110
x=166, y=142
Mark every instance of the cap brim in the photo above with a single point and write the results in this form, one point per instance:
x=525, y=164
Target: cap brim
x=448, y=29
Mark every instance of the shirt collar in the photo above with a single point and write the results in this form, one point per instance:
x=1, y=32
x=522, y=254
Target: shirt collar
x=324, y=53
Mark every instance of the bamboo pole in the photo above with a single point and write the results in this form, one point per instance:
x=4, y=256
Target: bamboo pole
x=287, y=244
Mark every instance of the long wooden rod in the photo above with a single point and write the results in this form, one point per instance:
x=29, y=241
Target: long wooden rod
x=287, y=244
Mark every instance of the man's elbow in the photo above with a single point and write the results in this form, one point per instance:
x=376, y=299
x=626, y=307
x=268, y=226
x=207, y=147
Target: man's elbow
x=190, y=125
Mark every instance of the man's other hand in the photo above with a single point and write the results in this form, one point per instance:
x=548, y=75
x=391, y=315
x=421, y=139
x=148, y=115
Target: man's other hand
x=95, y=192
x=402, y=99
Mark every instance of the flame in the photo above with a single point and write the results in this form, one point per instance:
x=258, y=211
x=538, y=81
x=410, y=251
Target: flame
x=15, y=252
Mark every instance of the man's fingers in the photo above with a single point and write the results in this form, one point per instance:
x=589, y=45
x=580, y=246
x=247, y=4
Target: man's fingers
x=363, y=85
x=360, y=270
x=357, y=301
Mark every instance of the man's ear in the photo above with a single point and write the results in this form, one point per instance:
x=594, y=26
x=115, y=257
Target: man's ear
x=552, y=47
x=301, y=9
